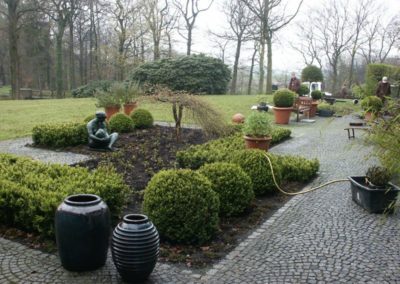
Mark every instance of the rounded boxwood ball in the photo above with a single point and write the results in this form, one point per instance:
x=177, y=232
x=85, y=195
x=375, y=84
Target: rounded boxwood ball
x=256, y=165
x=142, y=118
x=233, y=186
x=284, y=98
x=182, y=205
x=121, y=123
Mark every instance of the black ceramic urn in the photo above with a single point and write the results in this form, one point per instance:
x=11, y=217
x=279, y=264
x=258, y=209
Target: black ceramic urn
x=135, y=246
x=82, y=224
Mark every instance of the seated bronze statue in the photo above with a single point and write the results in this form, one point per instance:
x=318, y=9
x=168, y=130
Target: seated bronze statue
x=99, y=138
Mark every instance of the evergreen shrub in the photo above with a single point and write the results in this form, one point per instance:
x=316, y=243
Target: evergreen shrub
x=233, y=186
x=182, y=205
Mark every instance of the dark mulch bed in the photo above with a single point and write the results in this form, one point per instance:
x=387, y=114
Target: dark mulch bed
x=143, y=153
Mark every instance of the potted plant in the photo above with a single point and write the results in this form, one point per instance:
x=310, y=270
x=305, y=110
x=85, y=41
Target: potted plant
x=316, y=95
x=109, y=102
x=127, y=93
x=257, y=131
x=283, y=101
x=325, y=110
x=372, y=105
x=373, y=191
x=303, y=90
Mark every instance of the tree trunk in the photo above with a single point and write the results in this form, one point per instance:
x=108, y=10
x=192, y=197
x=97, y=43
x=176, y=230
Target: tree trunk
x=269, y=65
x=72, y=82
x=169, y=45
x=81, y=57
x=253, y=58
x=261, y=79
x=13, y=48
x=351, y=72
x=189, y=41
x=59, y=60
x=156, y=49
x=235, y=67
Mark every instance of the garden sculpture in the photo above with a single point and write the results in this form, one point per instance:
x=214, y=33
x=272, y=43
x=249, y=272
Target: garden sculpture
x=98, y=136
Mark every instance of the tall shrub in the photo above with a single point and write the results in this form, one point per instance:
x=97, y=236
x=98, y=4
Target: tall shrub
x=374, y=74
x=194, y=73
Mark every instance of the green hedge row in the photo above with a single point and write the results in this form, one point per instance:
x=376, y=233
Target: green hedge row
x=30, y=191
x=374, y=74
x=58, y=135
x=219, y=150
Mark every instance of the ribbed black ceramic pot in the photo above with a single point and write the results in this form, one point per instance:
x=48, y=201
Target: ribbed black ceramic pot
x=82, y=226
x=135, y=246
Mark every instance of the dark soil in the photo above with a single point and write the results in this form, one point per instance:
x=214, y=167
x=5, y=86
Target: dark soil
x=139, y=156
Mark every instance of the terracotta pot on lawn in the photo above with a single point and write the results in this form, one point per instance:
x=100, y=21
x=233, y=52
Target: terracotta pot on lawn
x=238, y=118
x=111, y=110
x=129, y=107
x=313, y=109
x=282, y=114
x=261, y=143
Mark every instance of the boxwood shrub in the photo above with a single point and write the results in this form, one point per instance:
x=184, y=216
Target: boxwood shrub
x=254, y=163
x=220, y=150
x=30, y=191
x=121, y=123
x=58, y=135
x=182, y=205
x=233, y=186
x=142, y=118
x=296, y=168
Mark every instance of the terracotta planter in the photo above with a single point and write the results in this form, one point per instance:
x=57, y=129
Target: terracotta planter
x=111, y=110
x=368, y=116
x=129, y=107
x=313, y=109
x=238, y=118
x=282, y=114
x=261, y=143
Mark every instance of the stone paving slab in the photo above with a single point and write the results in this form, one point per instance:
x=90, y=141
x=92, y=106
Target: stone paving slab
x=319, y=237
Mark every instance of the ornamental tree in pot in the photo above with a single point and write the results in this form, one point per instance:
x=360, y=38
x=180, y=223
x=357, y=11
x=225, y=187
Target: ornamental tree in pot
x=372, y=106
x=257, y=131
x=283, y=101
x=374, y=192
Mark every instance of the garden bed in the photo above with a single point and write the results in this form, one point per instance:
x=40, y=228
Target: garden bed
x=143, y=153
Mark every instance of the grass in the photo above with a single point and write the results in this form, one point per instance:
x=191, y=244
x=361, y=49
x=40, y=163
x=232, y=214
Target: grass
x=19, y=117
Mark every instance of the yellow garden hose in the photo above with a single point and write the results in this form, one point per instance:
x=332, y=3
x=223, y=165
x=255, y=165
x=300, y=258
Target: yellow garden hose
x=304, y=191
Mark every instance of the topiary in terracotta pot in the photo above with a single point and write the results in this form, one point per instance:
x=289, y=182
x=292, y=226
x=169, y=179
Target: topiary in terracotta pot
x=257, y=131
x=283, y=101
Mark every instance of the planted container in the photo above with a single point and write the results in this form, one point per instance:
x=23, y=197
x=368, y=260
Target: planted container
x=374, y=200
x=135, y=247
x=82, y=224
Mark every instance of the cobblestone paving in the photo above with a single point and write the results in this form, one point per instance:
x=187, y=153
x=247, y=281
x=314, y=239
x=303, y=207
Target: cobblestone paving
x=320, y=237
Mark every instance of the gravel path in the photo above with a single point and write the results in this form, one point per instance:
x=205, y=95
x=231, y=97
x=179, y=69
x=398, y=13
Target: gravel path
x=318, y=237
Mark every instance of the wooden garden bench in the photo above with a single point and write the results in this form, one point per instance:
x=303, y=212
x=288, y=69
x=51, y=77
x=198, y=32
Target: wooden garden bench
x=302, y=105
x=352, y=128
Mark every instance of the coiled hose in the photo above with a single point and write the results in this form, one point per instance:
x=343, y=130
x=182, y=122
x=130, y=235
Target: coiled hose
x=304, y=191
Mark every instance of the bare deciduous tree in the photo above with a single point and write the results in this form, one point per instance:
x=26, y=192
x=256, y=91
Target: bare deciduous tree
x=189, y=10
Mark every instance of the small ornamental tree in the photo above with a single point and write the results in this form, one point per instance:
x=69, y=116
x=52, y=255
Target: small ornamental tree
x=312, y=73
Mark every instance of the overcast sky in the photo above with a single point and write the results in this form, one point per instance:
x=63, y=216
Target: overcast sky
x=284, y=58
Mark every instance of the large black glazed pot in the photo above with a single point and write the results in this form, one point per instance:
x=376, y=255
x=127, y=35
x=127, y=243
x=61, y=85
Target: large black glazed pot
x=374, y=200
x=82, y=232
x=135, y=246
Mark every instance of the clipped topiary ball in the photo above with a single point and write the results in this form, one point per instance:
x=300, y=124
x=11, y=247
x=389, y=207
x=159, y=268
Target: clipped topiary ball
x=121, y=123
x=284, y=98
x=233, y=186
x=303, y=90
x=182, y=205
x=89, y=118
x=142, y=118
x=316, y=95
x=256, y=165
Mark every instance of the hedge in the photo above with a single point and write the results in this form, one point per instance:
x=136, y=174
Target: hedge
x=219, y=150
x=30, y=191
x=58, y=135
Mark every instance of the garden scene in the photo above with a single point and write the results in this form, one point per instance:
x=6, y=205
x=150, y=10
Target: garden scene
x=133, y=151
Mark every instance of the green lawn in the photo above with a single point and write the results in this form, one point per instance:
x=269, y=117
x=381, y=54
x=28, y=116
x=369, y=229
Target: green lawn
x=17, y=118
